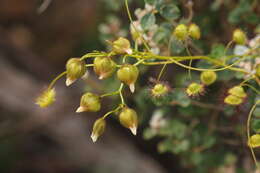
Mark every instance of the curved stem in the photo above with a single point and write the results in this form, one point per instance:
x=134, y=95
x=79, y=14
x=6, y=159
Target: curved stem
x=56, y=79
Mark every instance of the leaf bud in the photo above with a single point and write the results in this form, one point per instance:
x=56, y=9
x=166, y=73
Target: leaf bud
x=89, y=102
x=75, y=69
x=239, y=36
x=98, y=129
x=181, y=32
x=128, y=119
x=233, y=100
x=104, y=67
x=122, y=46
x=254, y=141
x=194, y=89
x=237, y=91
x=46, y=98
x=194, y=31
x=128, y=74
x=208, y=77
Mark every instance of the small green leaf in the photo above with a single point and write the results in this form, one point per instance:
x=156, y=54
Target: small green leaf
x=148, y=21
x=170, y=12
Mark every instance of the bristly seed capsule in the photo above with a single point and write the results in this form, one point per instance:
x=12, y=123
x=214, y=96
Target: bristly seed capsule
x=128, y=119
x=75, y=69
x=104, y=67
x=89, y=102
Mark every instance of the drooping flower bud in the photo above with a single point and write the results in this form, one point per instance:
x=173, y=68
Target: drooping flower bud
x=239, y=36
x=89, y=102
x=104, y=67
x=122, y=46
x=254, y=141
x=258, y=70
x=237, y=91
x=233, y=100
x=181, y=32
x=208, y=77
x=194, y=31
x=128, y=118
x=75, y=69
x=46, y=98
x=194, y=89
x=160, y=90
x=128, y=74
x=98, y=129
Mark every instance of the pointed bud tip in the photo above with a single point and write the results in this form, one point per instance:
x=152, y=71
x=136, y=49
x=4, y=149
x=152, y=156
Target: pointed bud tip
x=80, y=109
x=94, y=137
x=133, y=130
x=132, y=87
x=129, y=51
x=69, y=81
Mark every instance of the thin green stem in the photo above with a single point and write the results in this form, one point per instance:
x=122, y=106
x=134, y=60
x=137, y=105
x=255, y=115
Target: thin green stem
x=248, y=131
x=253, y=88
x=113, y=111
x=161, y=72
x=120, y=93
x=56, y=79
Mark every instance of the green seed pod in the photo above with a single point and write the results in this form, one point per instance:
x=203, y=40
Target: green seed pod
x=46, y=98
x=194, y=31
x=237, y=91
x=104, y=67
x=181, y=32
x=128, y=74
x=98, y=129
x=239, y=36
x=75, y=69
x=233, y=100
x=254, y=141
x=122, y=46
x=128, y=119
x=89, y=102
x=160, y=90
x=208, y=77
x=194, y=89
x=257, y=70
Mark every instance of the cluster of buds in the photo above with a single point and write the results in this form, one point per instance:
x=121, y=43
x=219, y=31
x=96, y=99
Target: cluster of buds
x=236, y=95
x=182, y=32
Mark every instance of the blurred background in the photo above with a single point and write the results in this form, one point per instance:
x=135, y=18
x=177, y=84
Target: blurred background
x=36, y=39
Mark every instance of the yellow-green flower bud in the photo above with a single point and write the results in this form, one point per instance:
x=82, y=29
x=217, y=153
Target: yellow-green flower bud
x=208, y=77
x=254, y=141
x=75, y=69
x=239, y=36
x=233, y=100
x=128, y=119
x=257, y=70
x=98, y=129
x=194, y=89
x=46, y=98
x=194, y=31
x=128, y=74
x=89, y=102
x=122, y=46
x=104, y=67
x=160, y=90
x=181, y=32
x=237, y=91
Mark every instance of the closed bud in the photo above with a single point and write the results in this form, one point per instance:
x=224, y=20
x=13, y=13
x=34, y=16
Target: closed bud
x=194, y=31
x=46, y=98
x=239, y=36
x=104, y=67
x=128, y=74
x=122, y=46
x=233, y=100
x=208, y=77
x=98, y=129
x=75, y=69
x=237, y=91
x=89, y=102
x=181, y=32
x=254, y=141
x=194, y=89
x=160, y=90
x=128, y=119
x=258, y=70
